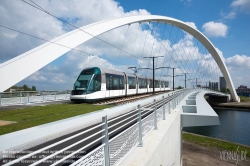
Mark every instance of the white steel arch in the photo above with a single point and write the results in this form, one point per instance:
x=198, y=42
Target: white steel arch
x=20, y=67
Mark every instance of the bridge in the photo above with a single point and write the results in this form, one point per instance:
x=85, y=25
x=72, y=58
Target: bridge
x=150, y=129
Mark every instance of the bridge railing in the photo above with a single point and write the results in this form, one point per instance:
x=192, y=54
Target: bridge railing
x=111, y=148
x=113, y=151
x=26, y=97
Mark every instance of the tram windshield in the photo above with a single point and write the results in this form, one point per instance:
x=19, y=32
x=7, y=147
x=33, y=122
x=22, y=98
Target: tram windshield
x=89, y=81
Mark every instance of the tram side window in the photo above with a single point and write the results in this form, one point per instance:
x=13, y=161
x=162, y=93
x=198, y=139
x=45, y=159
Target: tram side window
x=157, y=85
x=121, y=81
x=145, y=83
x=166, y=83
x=162, y=84
x=114, y=82
x=131, y=82
x=142, y=83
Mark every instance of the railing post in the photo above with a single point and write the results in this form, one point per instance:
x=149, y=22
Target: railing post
x=43, y=97
x=173, y=103
x=169, y=109
x=155, y=115
x=105, y=140
x=139, y=126
x=0, y=99
x=28, y=97
x=176, y=101
x=20, y=98
x=164, y=108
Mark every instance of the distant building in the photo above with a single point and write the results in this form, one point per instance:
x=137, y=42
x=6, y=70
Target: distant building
x=12, y=90
x=223, y=84
x=243, y=89
x=213, y=85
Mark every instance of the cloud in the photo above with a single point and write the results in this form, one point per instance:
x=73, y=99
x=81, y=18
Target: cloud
x=192, y=24
x=236, y=7
x=17, y=15
x=241, y=5
x=230, y=15
x=239, y=66
x=42, y=25
x=238, y=62
x=37, y=76
x=215, y=29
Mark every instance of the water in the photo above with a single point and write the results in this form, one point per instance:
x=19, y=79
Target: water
x=234, y=127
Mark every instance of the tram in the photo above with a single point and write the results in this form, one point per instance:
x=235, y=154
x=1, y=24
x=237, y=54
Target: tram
x=97, y=83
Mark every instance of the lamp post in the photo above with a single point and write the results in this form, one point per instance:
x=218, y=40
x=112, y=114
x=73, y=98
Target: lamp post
x=195, y=80
x=153, y=57
x=185, y=79
x=173, y=78
x=173, y=73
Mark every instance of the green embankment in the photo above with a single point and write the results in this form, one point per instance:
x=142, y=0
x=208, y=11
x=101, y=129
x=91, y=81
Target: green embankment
x=244, y=99
x=211, y=142
x=34, y=116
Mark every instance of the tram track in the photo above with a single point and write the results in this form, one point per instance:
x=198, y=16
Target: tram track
x=127, y=99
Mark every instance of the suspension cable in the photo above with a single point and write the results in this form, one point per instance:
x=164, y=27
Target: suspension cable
x=45, y=11
x=24, y=33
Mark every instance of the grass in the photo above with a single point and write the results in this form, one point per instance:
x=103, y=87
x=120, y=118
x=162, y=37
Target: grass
x=38, y=115
x=244, y=99
x=211, y=142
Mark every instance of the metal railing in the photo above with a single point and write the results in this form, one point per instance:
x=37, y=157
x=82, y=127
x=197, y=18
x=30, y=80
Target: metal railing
x=25, y=97
x=115, y=138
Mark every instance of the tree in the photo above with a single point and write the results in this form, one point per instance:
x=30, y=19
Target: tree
x=25, y=87
x=179, y=87
x=33, y=88
x=21, y=88
x=224, y=90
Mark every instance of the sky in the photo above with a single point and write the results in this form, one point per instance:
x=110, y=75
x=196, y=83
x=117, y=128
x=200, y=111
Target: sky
x=225, y=23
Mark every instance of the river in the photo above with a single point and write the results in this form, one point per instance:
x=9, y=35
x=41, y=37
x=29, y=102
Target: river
x=234, y=127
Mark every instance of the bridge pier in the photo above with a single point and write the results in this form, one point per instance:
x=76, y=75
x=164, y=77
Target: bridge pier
x=160, y=147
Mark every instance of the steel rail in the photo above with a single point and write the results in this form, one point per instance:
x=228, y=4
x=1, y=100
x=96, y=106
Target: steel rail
x=66, y=148
x=72, y=154
x=121, y=127
x=50, y=146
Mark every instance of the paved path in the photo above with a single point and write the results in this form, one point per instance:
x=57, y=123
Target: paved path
x=18, y=106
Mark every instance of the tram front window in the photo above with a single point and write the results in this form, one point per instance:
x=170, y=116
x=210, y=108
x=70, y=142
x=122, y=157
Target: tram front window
x=88, y=81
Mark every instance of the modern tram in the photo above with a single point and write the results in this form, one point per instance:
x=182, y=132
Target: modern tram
x=97, y=83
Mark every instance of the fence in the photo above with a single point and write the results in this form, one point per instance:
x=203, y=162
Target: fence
x=25, y=97
x=135, y=126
